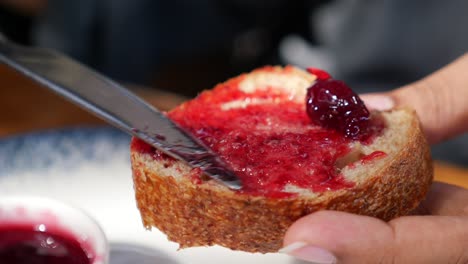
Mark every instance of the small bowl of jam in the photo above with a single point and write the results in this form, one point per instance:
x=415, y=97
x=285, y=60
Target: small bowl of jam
x=46, y=231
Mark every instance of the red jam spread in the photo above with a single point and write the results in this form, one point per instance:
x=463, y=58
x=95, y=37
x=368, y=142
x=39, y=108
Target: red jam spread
x=21, y=244
x=269, y=144
x=373, y=156
x=319, y=73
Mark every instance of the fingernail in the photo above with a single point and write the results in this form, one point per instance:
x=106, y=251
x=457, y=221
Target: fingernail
x=378, y=102
x=302, y=250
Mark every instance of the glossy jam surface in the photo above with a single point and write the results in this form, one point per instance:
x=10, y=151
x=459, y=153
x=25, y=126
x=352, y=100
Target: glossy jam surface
x=268, y=140
x=22, y=243
x=332, y=104
x=269, y=146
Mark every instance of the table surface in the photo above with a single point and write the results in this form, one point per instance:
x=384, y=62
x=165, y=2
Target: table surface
x=27, y=107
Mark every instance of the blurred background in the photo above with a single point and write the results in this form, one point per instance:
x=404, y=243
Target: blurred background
x=183, y=46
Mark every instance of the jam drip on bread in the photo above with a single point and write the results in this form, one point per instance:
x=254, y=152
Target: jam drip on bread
x=269, y=140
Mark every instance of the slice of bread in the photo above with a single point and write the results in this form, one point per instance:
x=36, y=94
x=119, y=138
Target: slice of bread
x=202, y=212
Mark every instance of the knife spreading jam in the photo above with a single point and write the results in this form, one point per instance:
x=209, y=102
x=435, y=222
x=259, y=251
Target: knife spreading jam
x=271, y=141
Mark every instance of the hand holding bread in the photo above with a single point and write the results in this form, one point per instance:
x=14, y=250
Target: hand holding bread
x=291, y=162
x=437, y=230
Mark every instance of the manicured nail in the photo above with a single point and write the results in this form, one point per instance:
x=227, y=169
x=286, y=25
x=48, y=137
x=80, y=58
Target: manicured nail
x=378, y=102
x=309, y=253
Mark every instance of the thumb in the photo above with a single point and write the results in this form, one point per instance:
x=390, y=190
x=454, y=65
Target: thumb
x=337, y=237
x=439, y=100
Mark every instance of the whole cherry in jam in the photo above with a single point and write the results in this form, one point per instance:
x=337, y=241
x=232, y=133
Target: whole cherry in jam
x=332, y=104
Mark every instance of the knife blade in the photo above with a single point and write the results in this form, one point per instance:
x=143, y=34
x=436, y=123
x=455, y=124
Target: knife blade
x=115, y=104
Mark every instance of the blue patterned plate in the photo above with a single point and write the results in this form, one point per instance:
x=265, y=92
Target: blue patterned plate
x=90, y=168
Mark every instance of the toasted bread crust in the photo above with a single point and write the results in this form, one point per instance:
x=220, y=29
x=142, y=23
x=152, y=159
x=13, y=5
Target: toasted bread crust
x=208, y=214
x=202, y=215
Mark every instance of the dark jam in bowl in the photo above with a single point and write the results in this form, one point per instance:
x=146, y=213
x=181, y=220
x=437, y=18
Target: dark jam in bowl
x=32, y=244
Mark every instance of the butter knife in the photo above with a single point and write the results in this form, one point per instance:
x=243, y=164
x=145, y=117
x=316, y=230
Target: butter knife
x=115, y=105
